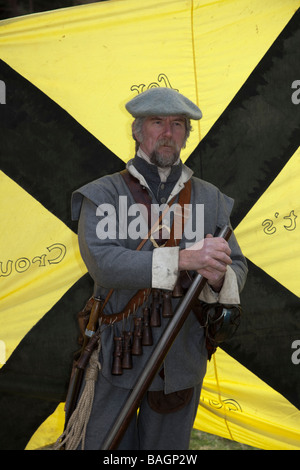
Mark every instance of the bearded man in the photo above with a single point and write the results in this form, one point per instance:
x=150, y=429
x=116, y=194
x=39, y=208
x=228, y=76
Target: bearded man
x=166, y=415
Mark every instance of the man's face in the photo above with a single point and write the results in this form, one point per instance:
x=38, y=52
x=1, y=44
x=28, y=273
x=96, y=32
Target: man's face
x=163, y=138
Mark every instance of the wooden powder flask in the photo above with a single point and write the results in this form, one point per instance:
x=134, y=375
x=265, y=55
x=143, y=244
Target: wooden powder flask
x=117, y=358
x=137, y=348
x=147, y=339
x=155, y=309
x=127, y=344
x=177, y=291
x=167, y=310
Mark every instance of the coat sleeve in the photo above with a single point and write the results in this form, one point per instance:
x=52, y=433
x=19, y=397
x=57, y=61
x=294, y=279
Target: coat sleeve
x=219, y=207
x=109, y=261
x=113, y=262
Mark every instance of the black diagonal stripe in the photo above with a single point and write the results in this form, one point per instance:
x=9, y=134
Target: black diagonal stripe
x=242, y=154
x=270, y=324
x=20, y=418
x=35, y=378
x=259, y=130
x=44, y=149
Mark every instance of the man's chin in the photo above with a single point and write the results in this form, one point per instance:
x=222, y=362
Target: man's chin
x=164, y=159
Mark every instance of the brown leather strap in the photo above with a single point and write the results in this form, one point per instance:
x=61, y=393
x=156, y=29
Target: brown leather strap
x=139, y=192
x=180, y=215
x=138, y=299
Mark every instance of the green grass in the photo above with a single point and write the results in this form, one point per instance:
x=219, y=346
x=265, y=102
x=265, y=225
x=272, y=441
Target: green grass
x=203, y=441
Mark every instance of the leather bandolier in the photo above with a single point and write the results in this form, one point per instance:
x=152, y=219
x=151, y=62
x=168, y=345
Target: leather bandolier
x=141, y=196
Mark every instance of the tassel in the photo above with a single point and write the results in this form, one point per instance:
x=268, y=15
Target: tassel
x=75, y=431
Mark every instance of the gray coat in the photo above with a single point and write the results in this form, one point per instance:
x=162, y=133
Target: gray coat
x=115, y=263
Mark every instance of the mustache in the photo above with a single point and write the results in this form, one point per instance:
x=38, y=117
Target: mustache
x=168, y=143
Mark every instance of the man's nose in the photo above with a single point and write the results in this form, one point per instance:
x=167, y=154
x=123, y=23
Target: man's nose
x=167, y=131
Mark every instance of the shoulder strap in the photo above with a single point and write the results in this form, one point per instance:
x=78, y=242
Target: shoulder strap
x=139, y=192
x=141, y=196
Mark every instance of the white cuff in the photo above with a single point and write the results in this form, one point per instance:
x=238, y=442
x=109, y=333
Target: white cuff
x=229, y=294
x=208, y=296
x=165, y=267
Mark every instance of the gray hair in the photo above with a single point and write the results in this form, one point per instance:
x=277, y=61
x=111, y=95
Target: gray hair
x=137, y=130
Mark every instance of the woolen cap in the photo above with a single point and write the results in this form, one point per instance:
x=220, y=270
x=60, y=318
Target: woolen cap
x=161, y=101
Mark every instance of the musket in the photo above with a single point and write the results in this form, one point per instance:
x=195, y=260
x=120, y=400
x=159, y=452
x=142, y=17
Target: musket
x=90, y=342
x=157, y=357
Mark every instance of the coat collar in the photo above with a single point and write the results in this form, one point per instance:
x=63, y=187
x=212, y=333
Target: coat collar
x=186, y=174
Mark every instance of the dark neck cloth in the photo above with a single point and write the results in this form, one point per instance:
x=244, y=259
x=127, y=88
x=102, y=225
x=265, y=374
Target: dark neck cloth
x=160, y=190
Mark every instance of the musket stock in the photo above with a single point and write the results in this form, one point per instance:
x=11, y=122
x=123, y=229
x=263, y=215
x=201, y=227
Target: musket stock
x=89, y=343
x=157, y=357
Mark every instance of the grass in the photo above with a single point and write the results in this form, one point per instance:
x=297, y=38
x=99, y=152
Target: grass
x=204, y=441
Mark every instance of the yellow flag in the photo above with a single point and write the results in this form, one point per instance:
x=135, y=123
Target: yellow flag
x=89, y=61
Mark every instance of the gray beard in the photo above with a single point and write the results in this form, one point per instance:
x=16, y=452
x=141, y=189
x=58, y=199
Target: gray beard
x=161, y=160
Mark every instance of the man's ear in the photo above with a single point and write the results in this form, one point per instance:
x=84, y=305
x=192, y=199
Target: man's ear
x=135, y=134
